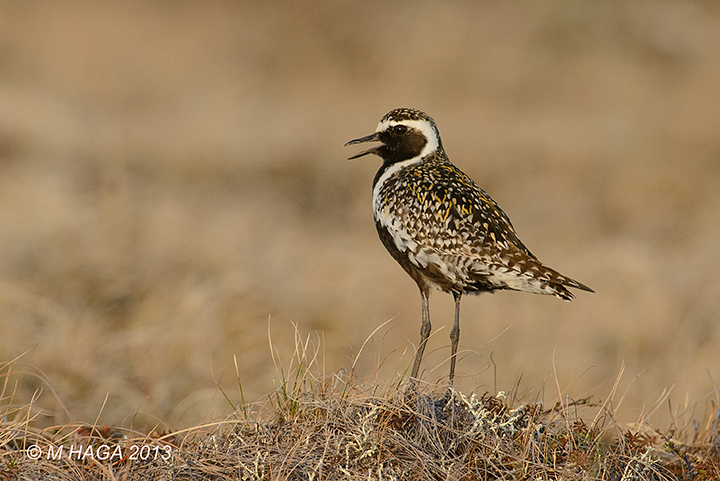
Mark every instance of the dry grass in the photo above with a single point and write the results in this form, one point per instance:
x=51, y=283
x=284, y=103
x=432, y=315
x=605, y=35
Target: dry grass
x=335, y=427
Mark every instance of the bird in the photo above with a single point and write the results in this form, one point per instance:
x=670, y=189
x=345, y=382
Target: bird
x=444, y=230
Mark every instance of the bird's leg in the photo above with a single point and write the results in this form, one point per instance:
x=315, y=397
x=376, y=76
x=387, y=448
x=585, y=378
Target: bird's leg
x=424, y=330
x=455, y=336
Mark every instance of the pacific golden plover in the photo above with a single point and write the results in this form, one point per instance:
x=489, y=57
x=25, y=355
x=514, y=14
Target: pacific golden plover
x=444, y=230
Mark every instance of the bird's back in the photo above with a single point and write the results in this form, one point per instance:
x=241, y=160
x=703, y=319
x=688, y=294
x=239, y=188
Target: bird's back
x=447, y=232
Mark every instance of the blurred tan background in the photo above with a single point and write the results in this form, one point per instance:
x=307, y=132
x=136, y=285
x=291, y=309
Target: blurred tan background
x=173, y=185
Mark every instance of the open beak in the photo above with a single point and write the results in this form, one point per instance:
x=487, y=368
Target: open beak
x=369, y=138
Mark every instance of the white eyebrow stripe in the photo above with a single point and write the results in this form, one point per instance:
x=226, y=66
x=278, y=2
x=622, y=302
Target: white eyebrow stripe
x=423, y=126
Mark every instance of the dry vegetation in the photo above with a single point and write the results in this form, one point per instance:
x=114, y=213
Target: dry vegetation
x=334, y=427
x=173, y=192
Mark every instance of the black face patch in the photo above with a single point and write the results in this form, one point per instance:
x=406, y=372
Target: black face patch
x=401, y=143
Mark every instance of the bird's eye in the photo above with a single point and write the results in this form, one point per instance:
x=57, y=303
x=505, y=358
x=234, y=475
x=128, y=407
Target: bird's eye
x=399, y=129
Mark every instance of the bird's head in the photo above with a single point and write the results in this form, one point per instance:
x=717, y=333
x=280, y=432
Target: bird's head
x=403, y=134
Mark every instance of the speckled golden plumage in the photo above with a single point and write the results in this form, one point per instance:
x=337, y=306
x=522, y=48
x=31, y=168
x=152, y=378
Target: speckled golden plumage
x=444, y=230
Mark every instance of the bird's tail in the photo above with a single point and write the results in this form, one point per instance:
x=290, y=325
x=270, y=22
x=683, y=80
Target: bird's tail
x=559, y=283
